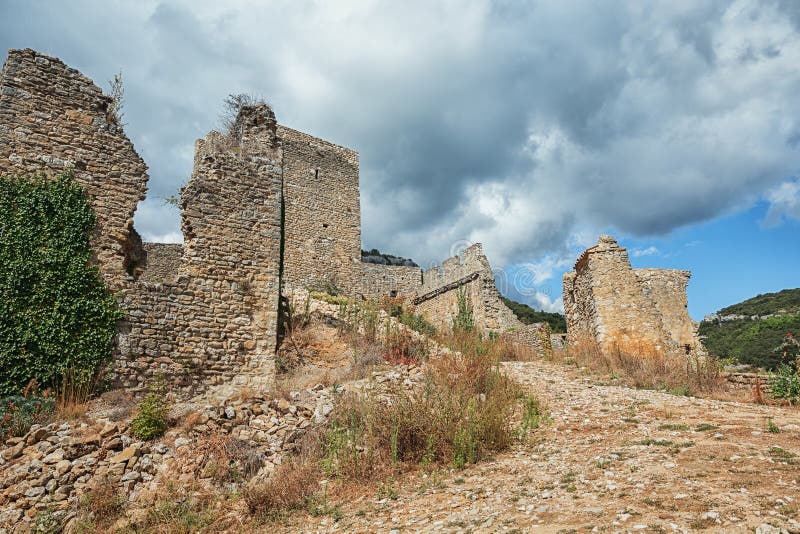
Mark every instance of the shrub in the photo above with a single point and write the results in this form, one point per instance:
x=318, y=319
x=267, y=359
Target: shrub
x=394, y=306
x=645, y=367
x=462, y=413
x=289, y=488
x=103, y=502
x=55, y=312
x=464, y=321
x=19, y=413
x=418, y=323
x=533, y=414
x=153, y=417
x=784, y=384
x=403, y=348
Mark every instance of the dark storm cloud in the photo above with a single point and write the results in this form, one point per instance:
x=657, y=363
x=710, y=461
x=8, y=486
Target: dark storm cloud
x=524, y=125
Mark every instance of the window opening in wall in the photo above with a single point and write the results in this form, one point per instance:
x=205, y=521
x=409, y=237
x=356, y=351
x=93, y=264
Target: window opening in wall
x=324, y=225
x=316, y=174
x=393, y=293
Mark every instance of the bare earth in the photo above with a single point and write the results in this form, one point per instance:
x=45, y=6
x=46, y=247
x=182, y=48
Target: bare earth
x=612, y=459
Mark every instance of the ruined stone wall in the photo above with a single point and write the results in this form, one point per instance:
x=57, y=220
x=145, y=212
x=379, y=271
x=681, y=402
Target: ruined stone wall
x=217, y=321
x=608, y=302
x=161, y=262
x=322, y=213
x=666, y=288
x=54, y=119
x=471, y=272
x=534, y=336
x=379, y=280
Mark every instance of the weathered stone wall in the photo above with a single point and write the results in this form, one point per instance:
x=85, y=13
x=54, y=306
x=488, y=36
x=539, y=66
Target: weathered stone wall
x=217, y=321
x=667, y=289
x=608, y=302
x=471, y=272
x=322, y=213
x=534, y=336
x=54, y=119
x=161, y=262
x=389, y=280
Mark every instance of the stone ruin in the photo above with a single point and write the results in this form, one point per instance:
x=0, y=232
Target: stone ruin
x=609, y=303
x=267, y=210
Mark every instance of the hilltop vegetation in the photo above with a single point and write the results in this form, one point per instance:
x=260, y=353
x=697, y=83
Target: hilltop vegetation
x=376, y=256
x=786, y=302
x=753, y=341
x=528, y=315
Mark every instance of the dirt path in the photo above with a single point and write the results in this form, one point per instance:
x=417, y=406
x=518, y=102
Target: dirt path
x=612, y=459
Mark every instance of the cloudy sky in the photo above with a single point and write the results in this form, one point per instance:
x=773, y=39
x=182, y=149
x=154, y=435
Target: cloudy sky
x=531, y=127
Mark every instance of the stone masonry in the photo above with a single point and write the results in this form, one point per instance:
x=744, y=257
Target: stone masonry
x=608, y=302
x=267, y=208
x=322, y=213
x=54, y=119
x=215, y=321
x=471, y=272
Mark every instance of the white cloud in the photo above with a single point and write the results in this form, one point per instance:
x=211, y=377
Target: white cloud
x=649, y=251
x=784, y=202
x=528, y=127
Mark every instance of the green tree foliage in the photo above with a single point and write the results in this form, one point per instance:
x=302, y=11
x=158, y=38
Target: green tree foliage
x=749, y=341
x=786, y=302
x=55, y=312
x=528, y=315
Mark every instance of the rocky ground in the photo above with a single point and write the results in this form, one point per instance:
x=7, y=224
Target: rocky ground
x=608, y=459
x=612, y=459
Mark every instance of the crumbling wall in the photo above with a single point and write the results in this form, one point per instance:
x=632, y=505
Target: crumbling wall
x=161, y=262
x=535, y=337
x=216, y=322
x=54, y=119
x=608, y=302
x=322, y=213
x=471, y=272
x=379, y=280
x=666, y=288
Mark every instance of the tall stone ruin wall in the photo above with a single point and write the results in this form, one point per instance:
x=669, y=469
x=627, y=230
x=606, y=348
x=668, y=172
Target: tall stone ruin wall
x=666, y=288
x=161, y=262
x=437, y=298
x=202, y=313
x=206, y=312
x=322, y=213
x=216, y=321
x=54, y=119
x=379, y=281
x=608, y=302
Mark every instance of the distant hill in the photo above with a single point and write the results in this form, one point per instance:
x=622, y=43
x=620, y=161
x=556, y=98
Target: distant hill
x=784, y=302
x=528, y=315
x=749, y=331
x=376, y=256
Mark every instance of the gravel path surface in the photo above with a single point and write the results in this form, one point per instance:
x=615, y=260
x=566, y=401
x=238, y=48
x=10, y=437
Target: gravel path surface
x=612, y=459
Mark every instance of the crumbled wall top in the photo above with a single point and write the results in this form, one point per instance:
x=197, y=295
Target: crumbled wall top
x=54, y=119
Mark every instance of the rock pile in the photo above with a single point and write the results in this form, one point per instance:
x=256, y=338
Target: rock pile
x=52, y=467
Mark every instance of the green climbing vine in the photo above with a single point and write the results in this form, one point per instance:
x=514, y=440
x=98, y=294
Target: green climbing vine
x=55, y=312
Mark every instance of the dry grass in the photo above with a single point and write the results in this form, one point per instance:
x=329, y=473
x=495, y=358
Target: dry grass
x=73, y=394
x=191, y=420
x=289, y=488
x=227, y=459
x=102, y=504
x=647, y=368
x=462, y=413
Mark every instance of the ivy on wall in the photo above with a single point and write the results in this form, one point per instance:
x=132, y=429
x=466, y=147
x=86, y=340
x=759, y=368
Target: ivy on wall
x=55, y=311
